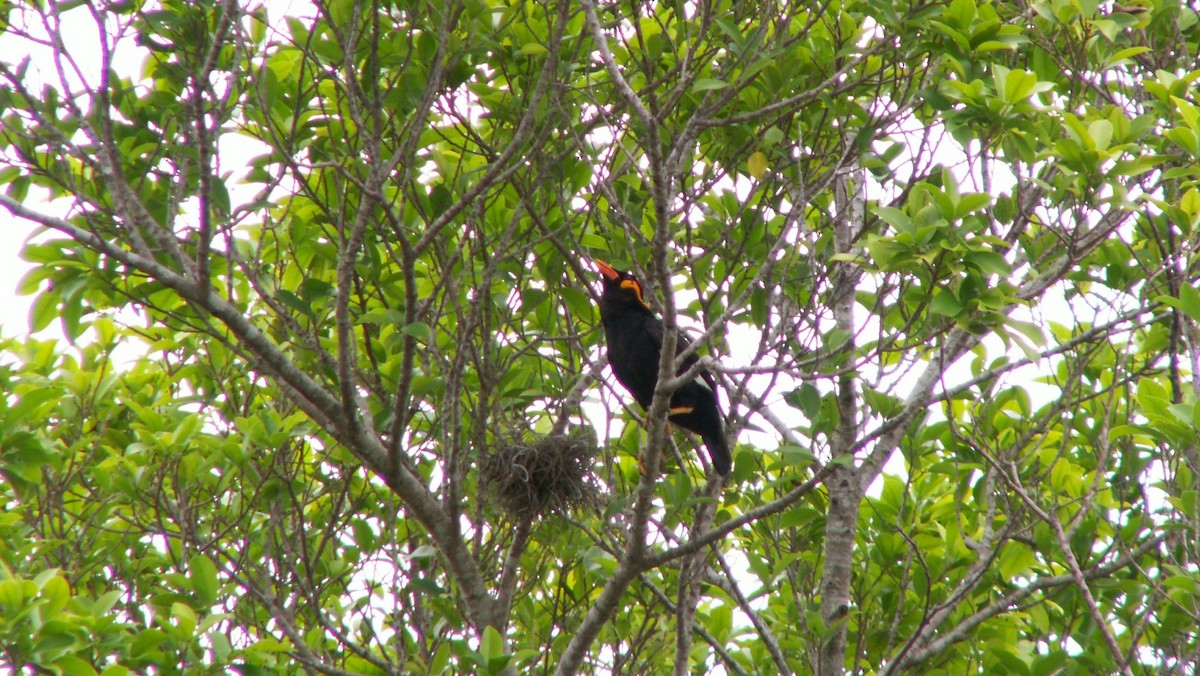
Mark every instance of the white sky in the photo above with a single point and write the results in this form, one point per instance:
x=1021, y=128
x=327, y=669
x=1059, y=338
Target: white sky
x=14, y=312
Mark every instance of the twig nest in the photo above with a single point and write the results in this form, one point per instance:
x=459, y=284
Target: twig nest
x=550, y=475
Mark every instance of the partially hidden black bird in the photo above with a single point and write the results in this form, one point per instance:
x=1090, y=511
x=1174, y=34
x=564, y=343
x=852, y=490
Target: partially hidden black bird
x=634, y=336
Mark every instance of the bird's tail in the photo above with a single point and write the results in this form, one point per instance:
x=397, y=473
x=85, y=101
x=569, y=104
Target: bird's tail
x=718, y=452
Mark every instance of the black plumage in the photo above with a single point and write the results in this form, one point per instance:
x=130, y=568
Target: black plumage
x=634, y=336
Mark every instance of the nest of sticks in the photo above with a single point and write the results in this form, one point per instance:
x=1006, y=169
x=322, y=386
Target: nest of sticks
x=550, y=475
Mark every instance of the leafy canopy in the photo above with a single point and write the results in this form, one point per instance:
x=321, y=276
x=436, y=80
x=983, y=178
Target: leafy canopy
x=323, y=284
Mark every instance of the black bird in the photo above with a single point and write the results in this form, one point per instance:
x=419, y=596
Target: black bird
x=634, y=336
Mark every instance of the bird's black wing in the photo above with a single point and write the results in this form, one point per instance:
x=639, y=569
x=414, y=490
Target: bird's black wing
x=654, y=327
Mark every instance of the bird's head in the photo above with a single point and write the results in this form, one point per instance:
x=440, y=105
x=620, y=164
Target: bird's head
x=619, y=285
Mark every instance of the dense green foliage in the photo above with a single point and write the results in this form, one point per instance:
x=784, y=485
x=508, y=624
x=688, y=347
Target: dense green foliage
x=321, y=277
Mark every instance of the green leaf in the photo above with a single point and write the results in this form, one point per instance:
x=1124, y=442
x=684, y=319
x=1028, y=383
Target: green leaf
x=43, y=310
x=422, y=552
x=420, y=331
x=146, y=642
x=295, y=302
x=708, y=84
x=834, y=339
x=1188, y=111
x=970, y=203
x=491, y=645
x=1053, y=662
x=1151, y=395
x=882, y=403
x=794, y=455
x=203, y=576
x=12, y=595
x=895, y=218
x=1101, y=132
x=988, y=262
x=531, y=298
x=185, y=618
x=54, y=596
x=1121, y=431
x=73, y=666
x=577, y=301
x=271, y=645
x=944, y=303
x=963, y=13
x=1186, y=139
x=388, y=316
x=844, y=460
x=34, y=404
x=757, y=164
x=1189, y=301
x=806, y=398
x=1016, y=560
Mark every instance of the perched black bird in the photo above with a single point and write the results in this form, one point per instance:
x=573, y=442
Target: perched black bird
x=634, y=337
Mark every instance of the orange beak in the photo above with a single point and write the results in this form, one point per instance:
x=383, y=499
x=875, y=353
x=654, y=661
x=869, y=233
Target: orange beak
x=605, y=269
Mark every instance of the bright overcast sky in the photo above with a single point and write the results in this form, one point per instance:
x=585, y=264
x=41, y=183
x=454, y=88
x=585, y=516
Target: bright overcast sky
x=14, y=311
